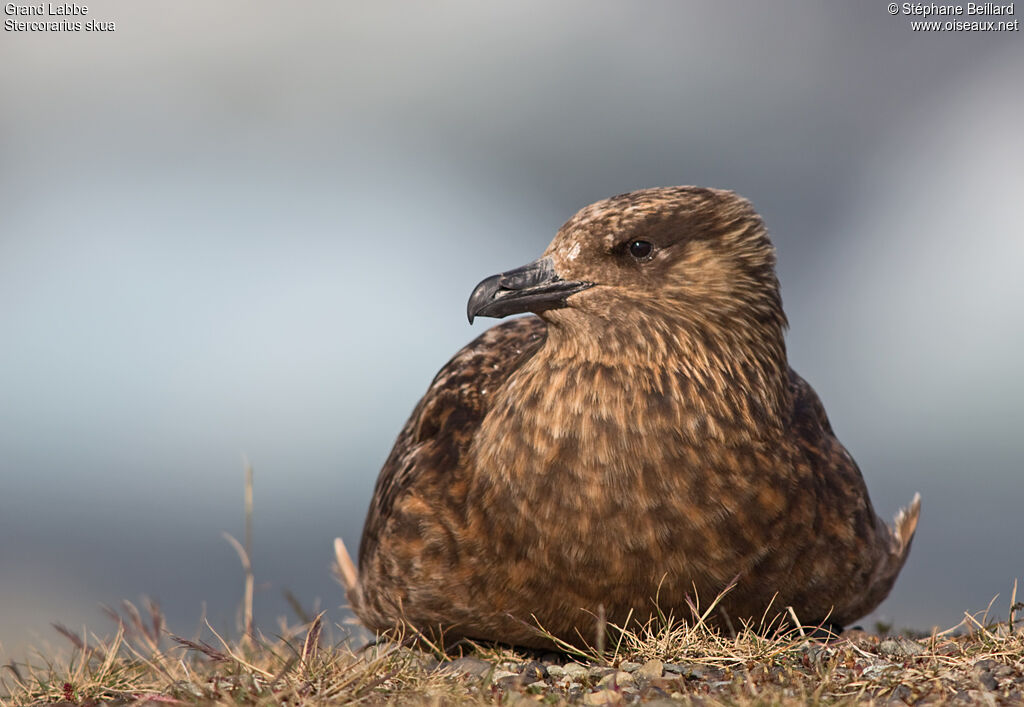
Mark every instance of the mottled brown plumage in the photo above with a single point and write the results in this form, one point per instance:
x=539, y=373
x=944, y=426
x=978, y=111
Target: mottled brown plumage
x=643, y=437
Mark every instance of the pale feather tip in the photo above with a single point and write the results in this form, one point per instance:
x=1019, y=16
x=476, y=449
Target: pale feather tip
x=346, y=571
x=905, y=522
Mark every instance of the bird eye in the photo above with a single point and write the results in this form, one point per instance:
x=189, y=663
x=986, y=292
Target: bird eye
x=641, y=250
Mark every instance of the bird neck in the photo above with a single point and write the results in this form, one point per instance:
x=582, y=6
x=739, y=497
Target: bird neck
x=605, y=408
x=738, y=372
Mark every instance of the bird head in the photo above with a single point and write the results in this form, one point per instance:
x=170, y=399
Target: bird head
x=672, y=258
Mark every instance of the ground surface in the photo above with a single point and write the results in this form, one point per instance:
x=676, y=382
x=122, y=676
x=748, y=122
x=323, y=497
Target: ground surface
x=673, y=663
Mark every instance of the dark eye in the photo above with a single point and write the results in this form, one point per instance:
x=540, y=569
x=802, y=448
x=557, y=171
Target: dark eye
x=641, y=250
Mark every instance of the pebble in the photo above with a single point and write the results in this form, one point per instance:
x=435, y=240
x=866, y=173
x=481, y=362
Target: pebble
x=473, y=667
x=532, y=672
x=629, y=667
x=901, y=695
x=814, y=653
x=574, y=670
x=900, y=647
x=689, y=671
x=603, y=697
x=617, y=679
x=988, y=680
x=983, y=665
x=556, y=671
x=508, y=682
x=650, y=669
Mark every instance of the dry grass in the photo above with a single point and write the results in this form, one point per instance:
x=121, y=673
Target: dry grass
x=683, y=662
x=143, y=662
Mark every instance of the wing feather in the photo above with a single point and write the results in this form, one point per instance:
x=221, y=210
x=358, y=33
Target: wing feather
x=442, y=426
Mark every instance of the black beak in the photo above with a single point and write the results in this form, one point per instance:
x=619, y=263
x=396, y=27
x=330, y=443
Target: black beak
x=531, y=288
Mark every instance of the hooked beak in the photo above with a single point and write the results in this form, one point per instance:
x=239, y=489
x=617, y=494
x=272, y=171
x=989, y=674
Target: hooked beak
x=532, y=288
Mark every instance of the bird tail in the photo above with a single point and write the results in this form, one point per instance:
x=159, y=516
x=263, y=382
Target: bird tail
x=893, y=548
x=903, y=527
x=899, y=536
x=346, y=574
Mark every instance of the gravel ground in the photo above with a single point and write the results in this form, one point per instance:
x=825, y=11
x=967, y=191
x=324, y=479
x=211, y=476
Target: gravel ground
x=855, y=667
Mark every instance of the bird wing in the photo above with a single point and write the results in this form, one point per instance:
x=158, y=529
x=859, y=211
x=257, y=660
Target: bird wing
x=809, y=417
x=841, y=489
x=442, y=426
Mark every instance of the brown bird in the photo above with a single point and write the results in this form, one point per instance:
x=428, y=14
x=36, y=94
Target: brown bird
x=642, y=439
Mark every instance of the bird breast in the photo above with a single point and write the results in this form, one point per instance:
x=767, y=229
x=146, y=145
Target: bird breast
x=573, y=450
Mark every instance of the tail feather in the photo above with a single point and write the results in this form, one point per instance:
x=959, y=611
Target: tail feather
x=347, y=575
x=892, y=550
x=900, y=534
x=904, y=525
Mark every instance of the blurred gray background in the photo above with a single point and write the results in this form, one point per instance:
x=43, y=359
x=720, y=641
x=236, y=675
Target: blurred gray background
x=251, y=228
